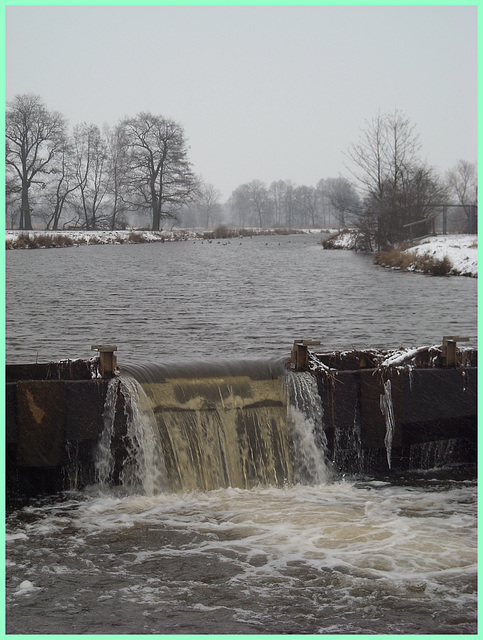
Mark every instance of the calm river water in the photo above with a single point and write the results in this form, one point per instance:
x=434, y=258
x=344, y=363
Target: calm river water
x=348, y=556
x=249, y=297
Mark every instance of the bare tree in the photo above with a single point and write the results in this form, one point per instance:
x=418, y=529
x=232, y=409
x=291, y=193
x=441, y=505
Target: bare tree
x=209, y=204
x=259, y=203
x=370, y=157
x=398, y=189
x=462, y=183
x=160, y=176
x=89, y=152
x=62, y=185
x=289, y=204
x=117, y=174
x=251, y=204
x=284, y=203
x=276, y=193
x=33, y=134
x=343, y=199
x=306, y=206
x=239, y=204
x=325, y=209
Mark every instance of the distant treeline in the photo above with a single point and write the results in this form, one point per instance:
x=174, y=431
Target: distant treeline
x=137, y=173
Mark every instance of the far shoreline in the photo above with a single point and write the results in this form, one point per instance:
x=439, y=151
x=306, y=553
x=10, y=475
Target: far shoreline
x=47, y=239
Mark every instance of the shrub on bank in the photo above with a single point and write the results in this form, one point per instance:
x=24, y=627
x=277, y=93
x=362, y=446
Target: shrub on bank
x=224, y=232
x=39, y=241
x=434, y=266
x=135, y=237
x=351, y=239
x=398, y=258
x=395, y=258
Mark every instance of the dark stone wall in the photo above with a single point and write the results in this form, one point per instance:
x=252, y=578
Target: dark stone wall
x=52, y=426
x=429, y=405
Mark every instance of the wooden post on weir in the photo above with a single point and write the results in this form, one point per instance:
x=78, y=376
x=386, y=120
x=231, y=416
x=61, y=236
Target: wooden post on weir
x=448, y=350
x=299, y=360
x=107, y=359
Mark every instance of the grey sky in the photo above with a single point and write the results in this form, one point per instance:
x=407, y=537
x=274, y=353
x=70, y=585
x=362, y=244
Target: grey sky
x=262, y=92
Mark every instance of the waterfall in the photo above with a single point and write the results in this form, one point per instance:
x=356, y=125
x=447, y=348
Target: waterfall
x=104, y=461
x=210, y=428
x=306, y=418
x=134, y=455
x=220, y=430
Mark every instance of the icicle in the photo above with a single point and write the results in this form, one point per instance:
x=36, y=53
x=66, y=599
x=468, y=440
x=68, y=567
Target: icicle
x=388, y=413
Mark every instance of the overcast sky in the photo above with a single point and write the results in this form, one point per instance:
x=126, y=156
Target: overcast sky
x=262, y=92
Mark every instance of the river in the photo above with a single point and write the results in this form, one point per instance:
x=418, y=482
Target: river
x=336, y=555
x=247, y=297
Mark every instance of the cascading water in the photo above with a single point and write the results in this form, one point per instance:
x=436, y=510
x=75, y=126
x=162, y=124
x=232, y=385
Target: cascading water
x=306, y=418
x=238, y=429
x=137, y=460
x=104, y=462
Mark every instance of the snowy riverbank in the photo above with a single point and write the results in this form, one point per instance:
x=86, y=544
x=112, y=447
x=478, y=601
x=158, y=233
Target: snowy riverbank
x=15, y=239
x=460, y=251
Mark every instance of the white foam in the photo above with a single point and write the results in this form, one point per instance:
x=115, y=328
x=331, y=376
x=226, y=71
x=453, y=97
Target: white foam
x=25, y=588
x=12, y=537
x=339, y=545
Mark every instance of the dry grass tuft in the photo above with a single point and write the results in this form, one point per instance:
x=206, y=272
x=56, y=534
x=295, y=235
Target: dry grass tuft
x=39, y=241
x=136, y=238
x=409, y=261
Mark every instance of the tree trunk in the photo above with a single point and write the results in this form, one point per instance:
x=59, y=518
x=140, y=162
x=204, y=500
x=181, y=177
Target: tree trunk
x=156, y=218
x=114, y=212
x=55, y=217
x=25, y=218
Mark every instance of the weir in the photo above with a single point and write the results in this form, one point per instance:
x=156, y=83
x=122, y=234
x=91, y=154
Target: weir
x=219, y=426
x=210, y=425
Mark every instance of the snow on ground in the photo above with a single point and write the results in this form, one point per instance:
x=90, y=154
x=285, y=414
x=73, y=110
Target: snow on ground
x=100, y=237
x=345, y=239
x=15, y=239
x=460, y=249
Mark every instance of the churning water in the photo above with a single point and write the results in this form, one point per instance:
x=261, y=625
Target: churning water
x=191, y=542
x=344, y=557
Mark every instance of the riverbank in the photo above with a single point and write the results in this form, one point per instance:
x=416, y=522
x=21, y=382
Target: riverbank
x=15, y=239
x=454, y=254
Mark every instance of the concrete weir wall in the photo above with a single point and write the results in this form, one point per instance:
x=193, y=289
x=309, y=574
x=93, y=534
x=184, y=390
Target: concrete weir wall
x=414, y=413
x=54, y=418
x=377, y=419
